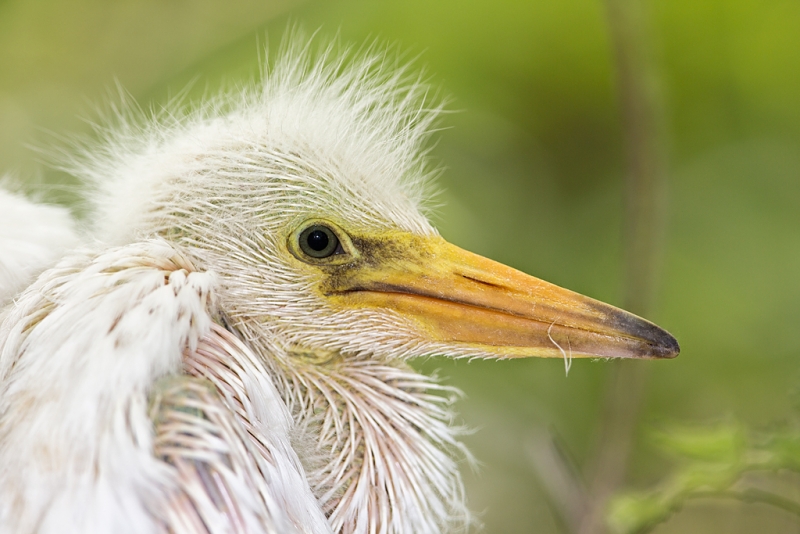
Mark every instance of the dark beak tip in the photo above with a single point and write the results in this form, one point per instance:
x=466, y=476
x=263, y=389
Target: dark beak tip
x=658, y=344
x=666, y=347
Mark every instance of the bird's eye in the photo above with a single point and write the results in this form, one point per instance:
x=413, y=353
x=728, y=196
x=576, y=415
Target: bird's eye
x=319, y=241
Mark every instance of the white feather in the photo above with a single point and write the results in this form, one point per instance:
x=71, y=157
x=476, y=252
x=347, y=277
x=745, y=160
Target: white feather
x=352, y=432
x=32, y=238
x=80, y=350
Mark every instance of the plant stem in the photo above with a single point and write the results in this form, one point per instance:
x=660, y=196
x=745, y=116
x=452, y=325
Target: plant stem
x=645, y=183
x=754, y=496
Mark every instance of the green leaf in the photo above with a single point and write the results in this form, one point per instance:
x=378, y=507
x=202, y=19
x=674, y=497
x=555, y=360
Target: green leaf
x=722, y=443
x=629, y=514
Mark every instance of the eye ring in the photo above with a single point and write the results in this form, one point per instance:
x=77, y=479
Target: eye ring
x=322, y=243
x=318, y=241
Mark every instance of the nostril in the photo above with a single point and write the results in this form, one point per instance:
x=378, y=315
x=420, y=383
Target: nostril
x=479, y=281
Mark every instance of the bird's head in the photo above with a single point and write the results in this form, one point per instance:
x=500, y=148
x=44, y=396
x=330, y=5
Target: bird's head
x=304, y=196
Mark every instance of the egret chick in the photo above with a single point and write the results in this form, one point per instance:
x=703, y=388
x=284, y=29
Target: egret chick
x=227, y=352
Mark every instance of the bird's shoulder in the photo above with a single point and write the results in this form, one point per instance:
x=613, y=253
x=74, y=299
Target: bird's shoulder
x=79, y=350
x=115, y=354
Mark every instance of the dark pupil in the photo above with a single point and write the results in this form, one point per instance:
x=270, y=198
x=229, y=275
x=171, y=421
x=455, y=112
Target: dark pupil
x=317, y=240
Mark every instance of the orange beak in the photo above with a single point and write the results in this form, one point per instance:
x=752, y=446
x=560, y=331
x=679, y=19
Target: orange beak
x=457, y=297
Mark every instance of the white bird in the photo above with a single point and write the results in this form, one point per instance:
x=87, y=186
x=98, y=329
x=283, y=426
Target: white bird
x=226, y=351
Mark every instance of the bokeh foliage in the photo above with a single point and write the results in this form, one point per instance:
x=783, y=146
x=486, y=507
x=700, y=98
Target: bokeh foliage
x=722, y=461
x=533, y=178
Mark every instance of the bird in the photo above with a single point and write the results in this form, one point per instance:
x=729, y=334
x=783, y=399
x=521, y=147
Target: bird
x=222, y=343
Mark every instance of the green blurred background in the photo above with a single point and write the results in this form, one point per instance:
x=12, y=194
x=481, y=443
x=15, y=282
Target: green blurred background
x=534, y=178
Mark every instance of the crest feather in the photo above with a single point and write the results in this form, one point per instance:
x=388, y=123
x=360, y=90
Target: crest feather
x=361, y=117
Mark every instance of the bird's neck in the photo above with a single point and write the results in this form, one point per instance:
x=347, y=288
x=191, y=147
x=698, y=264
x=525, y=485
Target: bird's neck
x=376, y=440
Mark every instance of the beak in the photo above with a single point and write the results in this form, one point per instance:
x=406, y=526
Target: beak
x=457, y=297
